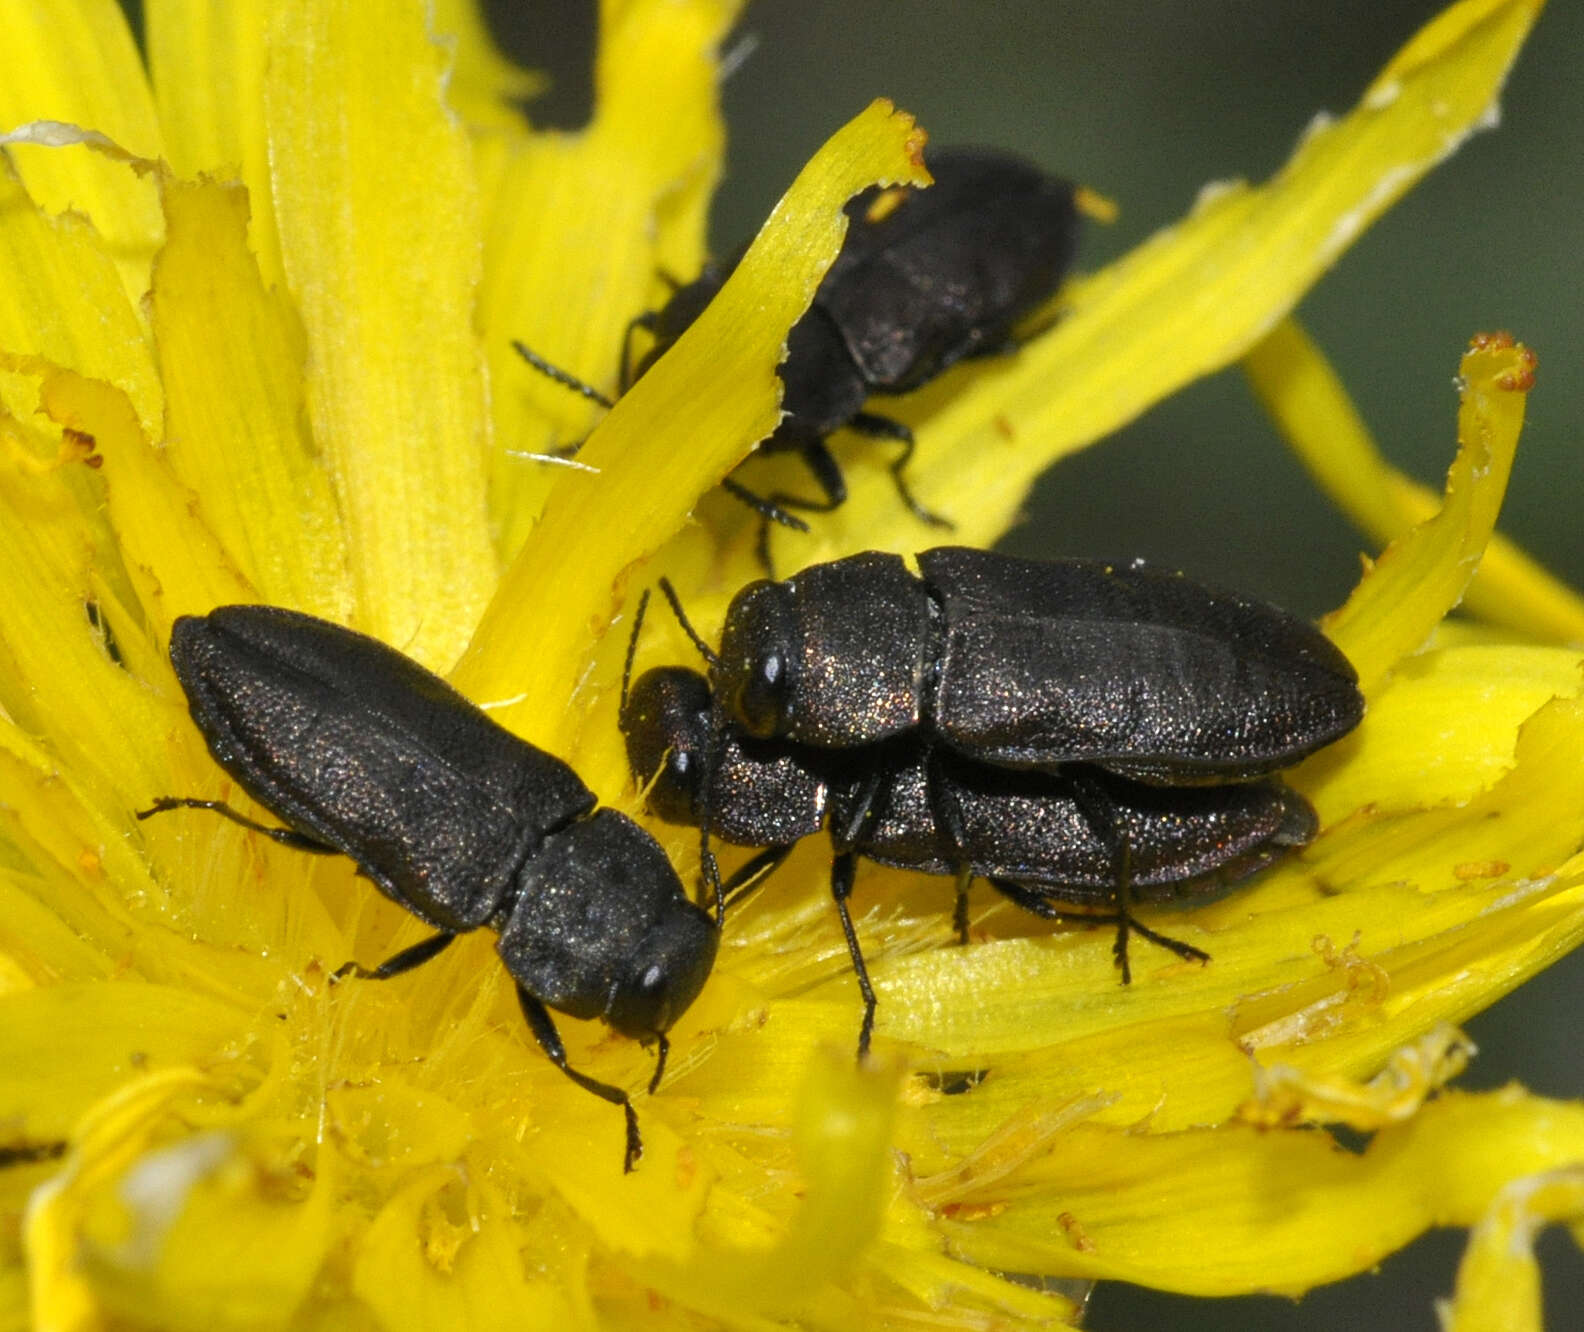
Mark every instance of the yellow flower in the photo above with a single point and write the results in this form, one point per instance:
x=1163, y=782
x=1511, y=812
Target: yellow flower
x=254, y=346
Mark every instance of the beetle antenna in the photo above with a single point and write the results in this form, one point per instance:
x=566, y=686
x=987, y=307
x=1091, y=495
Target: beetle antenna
x=632, y=649
x=704, y=649
x=563, y=377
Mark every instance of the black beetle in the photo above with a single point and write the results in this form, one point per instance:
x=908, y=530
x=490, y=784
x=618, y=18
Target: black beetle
x=925, y=278
x=360, y=751
x=1078, y=843
x=1033, y=664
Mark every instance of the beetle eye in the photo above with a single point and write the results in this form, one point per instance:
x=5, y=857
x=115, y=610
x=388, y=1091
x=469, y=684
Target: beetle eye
x=764, y=696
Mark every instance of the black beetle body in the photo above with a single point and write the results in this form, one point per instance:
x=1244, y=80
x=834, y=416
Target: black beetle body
x=361, y=751
x=1034, y=664
x=925, y=278
x=1078, y=841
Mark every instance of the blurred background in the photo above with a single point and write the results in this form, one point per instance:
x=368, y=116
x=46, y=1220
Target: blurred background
x=1146, y=102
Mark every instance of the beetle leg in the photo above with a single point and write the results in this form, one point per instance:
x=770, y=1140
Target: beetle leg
x=754, y=872
x=285, y=836
x=405, y=960
x=843, y=869
x=1105, y=821
x=646, y=320
x=549, y=1039
x=883, y=427
x=1033, y=900
x=845, y=837
x=965, y=878
x=778, y=505
x=660, y=1060
x=949, y=818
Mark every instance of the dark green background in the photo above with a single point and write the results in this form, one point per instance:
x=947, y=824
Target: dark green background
x=1146, y=102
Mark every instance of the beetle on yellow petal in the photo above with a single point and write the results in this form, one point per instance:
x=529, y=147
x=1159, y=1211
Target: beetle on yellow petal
x=229, y=374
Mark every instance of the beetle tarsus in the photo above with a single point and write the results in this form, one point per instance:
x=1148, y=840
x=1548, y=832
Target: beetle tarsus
x=544, y=1031
x=403, y=961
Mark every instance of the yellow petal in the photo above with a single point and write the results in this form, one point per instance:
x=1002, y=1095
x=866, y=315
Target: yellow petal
x=377, y=210
x=56, y=678
x=234, y=425
x=581, y=224
x=1292, y=378
x=218, y=1230
x=65, y=302
x=1422, y=575
x=673, y=436
x=1441, y=730
x=77, y=63
x=484, y=85
x=174, y=559
x=67, y=1046
x=109, y=1139
x=206, y=63
x=841, y=1126
x=1289, y=1210
x=444, y=1254
x=1498, y=1281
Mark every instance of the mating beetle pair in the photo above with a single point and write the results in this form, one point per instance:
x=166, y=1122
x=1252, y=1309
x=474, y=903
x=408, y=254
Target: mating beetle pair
x=1081, y=734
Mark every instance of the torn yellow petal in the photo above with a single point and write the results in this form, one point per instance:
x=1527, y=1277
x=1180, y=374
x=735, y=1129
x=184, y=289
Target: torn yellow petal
x=841, y=1125
x=1285, y=1096
x=206, y=64
x=672, y=437
x=581, y=225
x=483, y=85
x=1289, y=1210
x=77, y=63
x=105, y=1143
x=217, y=1230
x=67, y=329
x=56, y=678
x=231, y=359
x=63, y=301
x=1498, y=1281
x=1190, y=300
x=443, y=1253
x=1540, y=827
x=174, y=559
x=1310, y=406
x=1441, y=730
x=377, y=209
x=1422, y=575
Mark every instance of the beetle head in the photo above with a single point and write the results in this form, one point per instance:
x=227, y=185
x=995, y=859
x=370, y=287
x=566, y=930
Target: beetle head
x=666, y=972
x=666, y=723
x=759, y=654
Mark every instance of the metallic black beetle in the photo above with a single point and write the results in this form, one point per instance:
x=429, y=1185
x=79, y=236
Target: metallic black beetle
x=925, y=278
x=1031, y=664
x=362, y=752
x=1079, y=843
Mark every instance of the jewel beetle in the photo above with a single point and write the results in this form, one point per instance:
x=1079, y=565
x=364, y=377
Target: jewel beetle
x=924, y=278
x=1033, y=664
x=1078, y=843
x=360, y=751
